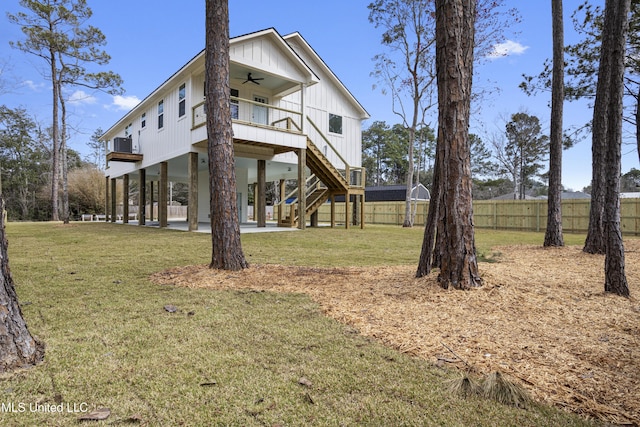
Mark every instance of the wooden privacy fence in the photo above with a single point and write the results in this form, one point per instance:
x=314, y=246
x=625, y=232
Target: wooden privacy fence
x=517, y=215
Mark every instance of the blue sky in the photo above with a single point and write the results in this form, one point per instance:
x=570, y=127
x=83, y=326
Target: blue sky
x=150, y=40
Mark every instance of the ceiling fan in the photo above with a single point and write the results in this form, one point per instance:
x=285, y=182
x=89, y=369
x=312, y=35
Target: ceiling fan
x=253, y=79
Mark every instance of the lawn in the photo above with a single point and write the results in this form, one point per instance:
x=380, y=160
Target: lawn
x=235, y=357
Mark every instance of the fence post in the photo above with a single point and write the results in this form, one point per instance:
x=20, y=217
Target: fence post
x=495, y=215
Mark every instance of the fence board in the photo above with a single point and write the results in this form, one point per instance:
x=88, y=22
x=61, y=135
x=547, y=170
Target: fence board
x=517, y=215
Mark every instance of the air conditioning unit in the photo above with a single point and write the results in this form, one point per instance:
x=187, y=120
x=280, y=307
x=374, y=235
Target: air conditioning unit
x=122, y=145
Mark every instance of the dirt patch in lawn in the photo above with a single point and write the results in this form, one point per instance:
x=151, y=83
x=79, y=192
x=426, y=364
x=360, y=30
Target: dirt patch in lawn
x=541, y=317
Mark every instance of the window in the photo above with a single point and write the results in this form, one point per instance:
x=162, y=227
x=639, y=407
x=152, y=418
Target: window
x=182, y=93
x=143, y=120
x=335, y=124
x=161, y=114
x=127, y=130
x=235, y=106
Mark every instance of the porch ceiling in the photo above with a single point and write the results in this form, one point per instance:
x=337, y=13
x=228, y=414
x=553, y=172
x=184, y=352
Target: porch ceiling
x=278, y=85
x=177, y=168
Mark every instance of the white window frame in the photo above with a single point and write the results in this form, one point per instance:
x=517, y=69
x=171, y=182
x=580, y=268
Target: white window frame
x=182, y=100
x=333, y=116
x=161, y=114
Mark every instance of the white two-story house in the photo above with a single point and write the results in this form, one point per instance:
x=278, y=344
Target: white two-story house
x=292, y=120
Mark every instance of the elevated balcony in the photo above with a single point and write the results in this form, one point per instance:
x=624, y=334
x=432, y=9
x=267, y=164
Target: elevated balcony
x=255, y=124
x=123, y=151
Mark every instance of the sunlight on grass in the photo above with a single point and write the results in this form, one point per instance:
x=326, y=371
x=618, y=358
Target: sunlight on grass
x=224, y=358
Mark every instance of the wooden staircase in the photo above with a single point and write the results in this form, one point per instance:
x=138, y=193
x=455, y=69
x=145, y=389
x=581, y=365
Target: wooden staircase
x=321, y=167
x=329, y=181
x=315, y=198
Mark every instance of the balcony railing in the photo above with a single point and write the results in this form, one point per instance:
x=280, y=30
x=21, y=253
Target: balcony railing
x=254, y=113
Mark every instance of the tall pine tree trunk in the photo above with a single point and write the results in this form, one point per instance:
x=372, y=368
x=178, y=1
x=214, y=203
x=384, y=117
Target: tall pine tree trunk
x=55, y=149
x=595, y=241
x=18, y=348
x=64, y=161
x=225, y=227
x=455, y=30
x=553, y=235
x=613, y=50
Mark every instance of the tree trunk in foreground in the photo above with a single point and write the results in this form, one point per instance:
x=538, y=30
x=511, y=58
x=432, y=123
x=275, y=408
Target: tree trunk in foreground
x=553, y=235
x=18, y=349
x=427, y=258
x=225, y=228
x=616, y=19
x=595, y=241
x=455, y=29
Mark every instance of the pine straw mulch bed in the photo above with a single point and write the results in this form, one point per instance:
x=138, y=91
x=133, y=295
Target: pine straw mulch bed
x=541, y=317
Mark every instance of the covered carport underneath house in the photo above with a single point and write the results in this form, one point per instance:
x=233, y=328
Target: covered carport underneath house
x=144, y=195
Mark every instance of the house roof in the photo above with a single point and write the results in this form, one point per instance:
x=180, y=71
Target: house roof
x=513, y=196
x=392, y=193
x=630, y=195
x=389, y=193
x=272, y=34
x=575, y=195
x=565, y=195
x=297, y=36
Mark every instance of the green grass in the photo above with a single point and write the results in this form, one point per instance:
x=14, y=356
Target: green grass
x=375, y=245
x=225, y=358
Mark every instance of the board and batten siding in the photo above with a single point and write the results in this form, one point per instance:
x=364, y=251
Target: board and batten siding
x=265, y=55
x=325, y=98
x=155, y=144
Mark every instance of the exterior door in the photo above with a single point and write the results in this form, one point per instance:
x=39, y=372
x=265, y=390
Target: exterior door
x=260, y=113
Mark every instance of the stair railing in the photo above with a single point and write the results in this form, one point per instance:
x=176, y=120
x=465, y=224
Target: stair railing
x=311, y=183
x=352, y=175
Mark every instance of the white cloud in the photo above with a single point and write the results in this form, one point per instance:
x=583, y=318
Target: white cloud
x=125, y=102
x=507, y=48
x=36, y=87
x=81, y=97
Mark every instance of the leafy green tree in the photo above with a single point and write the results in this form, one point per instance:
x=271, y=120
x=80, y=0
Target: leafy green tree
x=484, y=189
x=385, y=153
x=24, y=163
x=395, y=152
x=630, y=181
x=56, y=32
x=374, y=141
x=520, y=154
x=482, y=164
x=582, y=63
x=97, y=155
